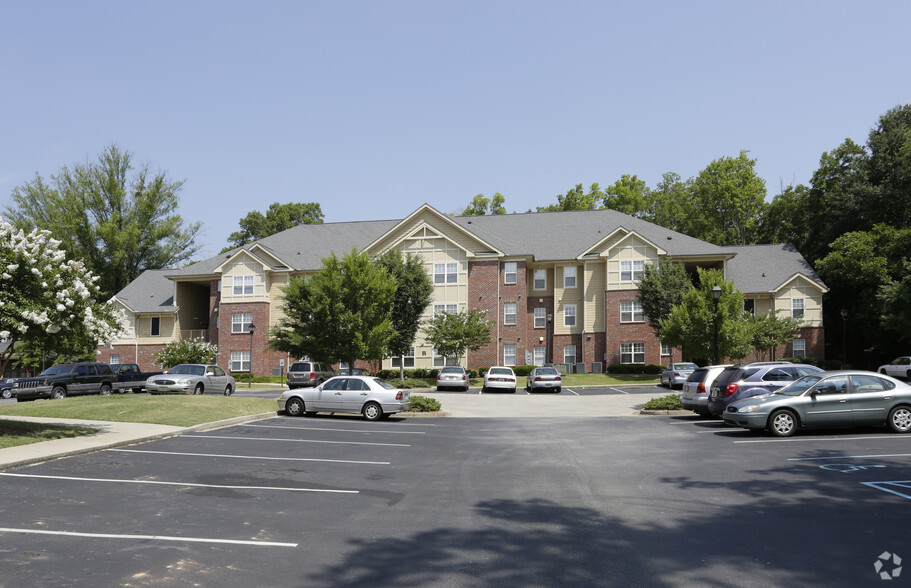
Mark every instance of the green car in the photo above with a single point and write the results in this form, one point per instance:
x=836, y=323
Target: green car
x=827, y=399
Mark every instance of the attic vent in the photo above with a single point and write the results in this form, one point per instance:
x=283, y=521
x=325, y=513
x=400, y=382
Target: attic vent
x=669, y=237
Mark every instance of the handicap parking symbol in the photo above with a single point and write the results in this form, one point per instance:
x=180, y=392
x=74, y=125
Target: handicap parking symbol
x=847, y=467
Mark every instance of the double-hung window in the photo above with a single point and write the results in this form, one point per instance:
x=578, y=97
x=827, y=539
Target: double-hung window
x=240, y=361
x=241, y=321
x=631, y=312
x=445, y=309
x=509, y=355
x=569, y=277
x=799, y=348
x=243, y=285
x=569, y=315
x=569, y=354
x=540, y=317
x=631, y=271
x=509, y=313
x=446, y=273
x=797, y=307
x=632, y=353
x=510, y=272
x=409, y=360
x=539, y=355
x=540, y=279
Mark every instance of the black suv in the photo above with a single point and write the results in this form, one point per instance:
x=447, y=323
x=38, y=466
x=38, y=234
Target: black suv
x=753, y=379
x=67, y=379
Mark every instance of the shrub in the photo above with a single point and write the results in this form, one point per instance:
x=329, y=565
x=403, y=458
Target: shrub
x=424, y=404
x=634, y=368
x=186, y=351
x=669, y=402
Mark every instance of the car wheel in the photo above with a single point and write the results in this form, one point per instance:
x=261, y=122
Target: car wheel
x=900, y=419
x=228, y=390
x=372, y=411
x=7, y=393
x=58, y=392
x=782, y=423
x=198, y=389
x=137, y=390
x=908, y=375
x=883, y=372
x=513, y=390
x=294, y=406
x=105, y=390
x=559, y=389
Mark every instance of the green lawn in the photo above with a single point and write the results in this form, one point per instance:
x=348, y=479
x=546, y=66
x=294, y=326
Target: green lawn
x=15, y=433
x=179, y=411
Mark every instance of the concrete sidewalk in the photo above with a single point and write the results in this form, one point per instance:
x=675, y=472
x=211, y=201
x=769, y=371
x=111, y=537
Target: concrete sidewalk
x=460, y=405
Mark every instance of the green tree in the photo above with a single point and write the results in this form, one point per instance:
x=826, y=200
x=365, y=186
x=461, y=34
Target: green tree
x=729, y=199
x=453, y=334
x=771, y=330
x=278, y=218
x=661, y=289
x=120, y=224
x=629, y=195
x=783, y=220
x=672, y=203
x=889, y=168
x=413, y=292
x=480, y=205
x=894, y=298
x=186, y=351
x=49, y=303
x=691, y=324
x=341, y=313
x=576, y=199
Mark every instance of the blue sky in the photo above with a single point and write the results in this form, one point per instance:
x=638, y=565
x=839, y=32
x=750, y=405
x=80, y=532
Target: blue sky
x=372, y=108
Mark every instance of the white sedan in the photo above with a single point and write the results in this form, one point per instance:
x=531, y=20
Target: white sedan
x=900, y=367
x=365, y=395
x=500, y=378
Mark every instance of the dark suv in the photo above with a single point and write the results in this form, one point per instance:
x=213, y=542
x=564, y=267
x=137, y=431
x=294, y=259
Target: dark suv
x=308, y=373
x=753, y=379
x=67, y=379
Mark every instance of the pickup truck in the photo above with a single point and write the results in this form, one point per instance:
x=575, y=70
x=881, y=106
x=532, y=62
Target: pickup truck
x=128, y=376
x=68, y=379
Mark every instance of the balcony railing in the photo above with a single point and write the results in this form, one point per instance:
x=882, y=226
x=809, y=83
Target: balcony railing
x=195, y=334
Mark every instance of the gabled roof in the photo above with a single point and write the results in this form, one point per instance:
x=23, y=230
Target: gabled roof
x=150, y=293
x=766, y=268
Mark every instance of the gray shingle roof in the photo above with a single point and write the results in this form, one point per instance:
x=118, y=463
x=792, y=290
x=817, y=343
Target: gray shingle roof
x=151, y=292
x=765, y=268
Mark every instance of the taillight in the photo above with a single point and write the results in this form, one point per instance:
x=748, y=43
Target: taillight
x=700, y=389
x=312, y=375
x=439, y=376
x=398, y=396
x=538, y=379
x=731, y=389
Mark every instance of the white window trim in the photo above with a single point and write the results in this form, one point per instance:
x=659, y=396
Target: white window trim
x=244, y=326
x=633, y=349
x=798, y=308
x=635, y=314
x=565, y=348
x=507, y=265
x=514, y=355
x=633, y=270
x=803, y=345
x=534, y=285
x=541, y=358
x=542, y=317
x=244, y=284
x=570, y=272
x=513, y=315
x=240, y=361
x=152, y=330
x=567, y=314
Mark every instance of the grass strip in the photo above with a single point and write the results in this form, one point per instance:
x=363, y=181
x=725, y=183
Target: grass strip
x=15, y=433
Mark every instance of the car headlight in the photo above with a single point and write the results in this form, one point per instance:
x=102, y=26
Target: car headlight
x=748, y=408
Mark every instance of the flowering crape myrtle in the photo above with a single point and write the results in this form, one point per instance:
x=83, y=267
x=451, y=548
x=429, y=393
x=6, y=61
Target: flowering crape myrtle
x=47, y=300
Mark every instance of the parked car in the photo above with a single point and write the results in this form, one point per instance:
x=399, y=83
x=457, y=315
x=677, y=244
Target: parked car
x=900, y=367
x=753, y=379
x=67, y=379
x=6, y=387
x=353, y=372
x=128, y=376
x=544, y=378
x=676, y=374
x=308, y=373
x=452, y=376
x=501, y=378
x=828, y=399
x=695, y=395
x=192, y=378
x=371, y=397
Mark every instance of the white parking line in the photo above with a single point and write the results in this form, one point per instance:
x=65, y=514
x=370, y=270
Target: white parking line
x=370, y=431
x=820, y=439
x=257, y=457
x=571, y=391
x=293, y=440
x=849, y=457
x=893, y=487
x=148, y=537
x=618, y=390
x=188, y=484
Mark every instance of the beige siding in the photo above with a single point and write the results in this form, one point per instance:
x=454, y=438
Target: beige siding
x=630, y=248
x=244, y=265
x=801, y=288
x=434, y=224
x=595, y=285
x=564, y=297
x=167, y=332
x=276, y=297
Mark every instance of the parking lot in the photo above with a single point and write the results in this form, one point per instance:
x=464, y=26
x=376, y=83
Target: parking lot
x=597, y=501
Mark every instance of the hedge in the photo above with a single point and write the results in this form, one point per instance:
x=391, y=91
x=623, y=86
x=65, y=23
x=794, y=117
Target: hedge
x=634, y=368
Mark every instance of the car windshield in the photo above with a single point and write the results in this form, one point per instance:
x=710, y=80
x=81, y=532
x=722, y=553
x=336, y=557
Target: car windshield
x=383, y=384
x=57, y=370
x=193, y=370
x=798, y=387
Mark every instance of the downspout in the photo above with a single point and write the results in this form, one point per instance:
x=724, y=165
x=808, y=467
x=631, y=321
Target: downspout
x=499, y=304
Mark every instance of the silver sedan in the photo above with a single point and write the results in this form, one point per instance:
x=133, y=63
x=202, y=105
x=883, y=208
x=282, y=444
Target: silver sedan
x=365, y=395
x=192, y=378
x=543, y=378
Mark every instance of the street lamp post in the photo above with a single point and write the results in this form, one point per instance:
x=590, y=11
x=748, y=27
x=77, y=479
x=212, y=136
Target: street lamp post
x=844, y=339
x=716, y=295
x=548, y=343
x=251, y=328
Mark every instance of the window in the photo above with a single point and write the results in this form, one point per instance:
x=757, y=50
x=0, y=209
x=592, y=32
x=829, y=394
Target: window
x=797, y=307
x=540, y=317
x=749, y=306
x=241, y=321
x=631, y=312
x=240, y=361
x=243, y=285
x=155, y=328
x=540, y=355
x=510, y=272
x=409, y=360
x=509, y=355
x=569, y=277
x=509, y=313
x=632, y=353
x=665, y=349
x=445, y=273
x=440, y=361
x=445, y=309
x=569, y=354
x=540, y=279
x=631, y=271
x=115, y=359
x=799, y=348
x=569, y=315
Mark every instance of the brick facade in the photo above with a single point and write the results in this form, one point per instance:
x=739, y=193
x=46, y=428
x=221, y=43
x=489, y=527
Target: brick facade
x=264, y=358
